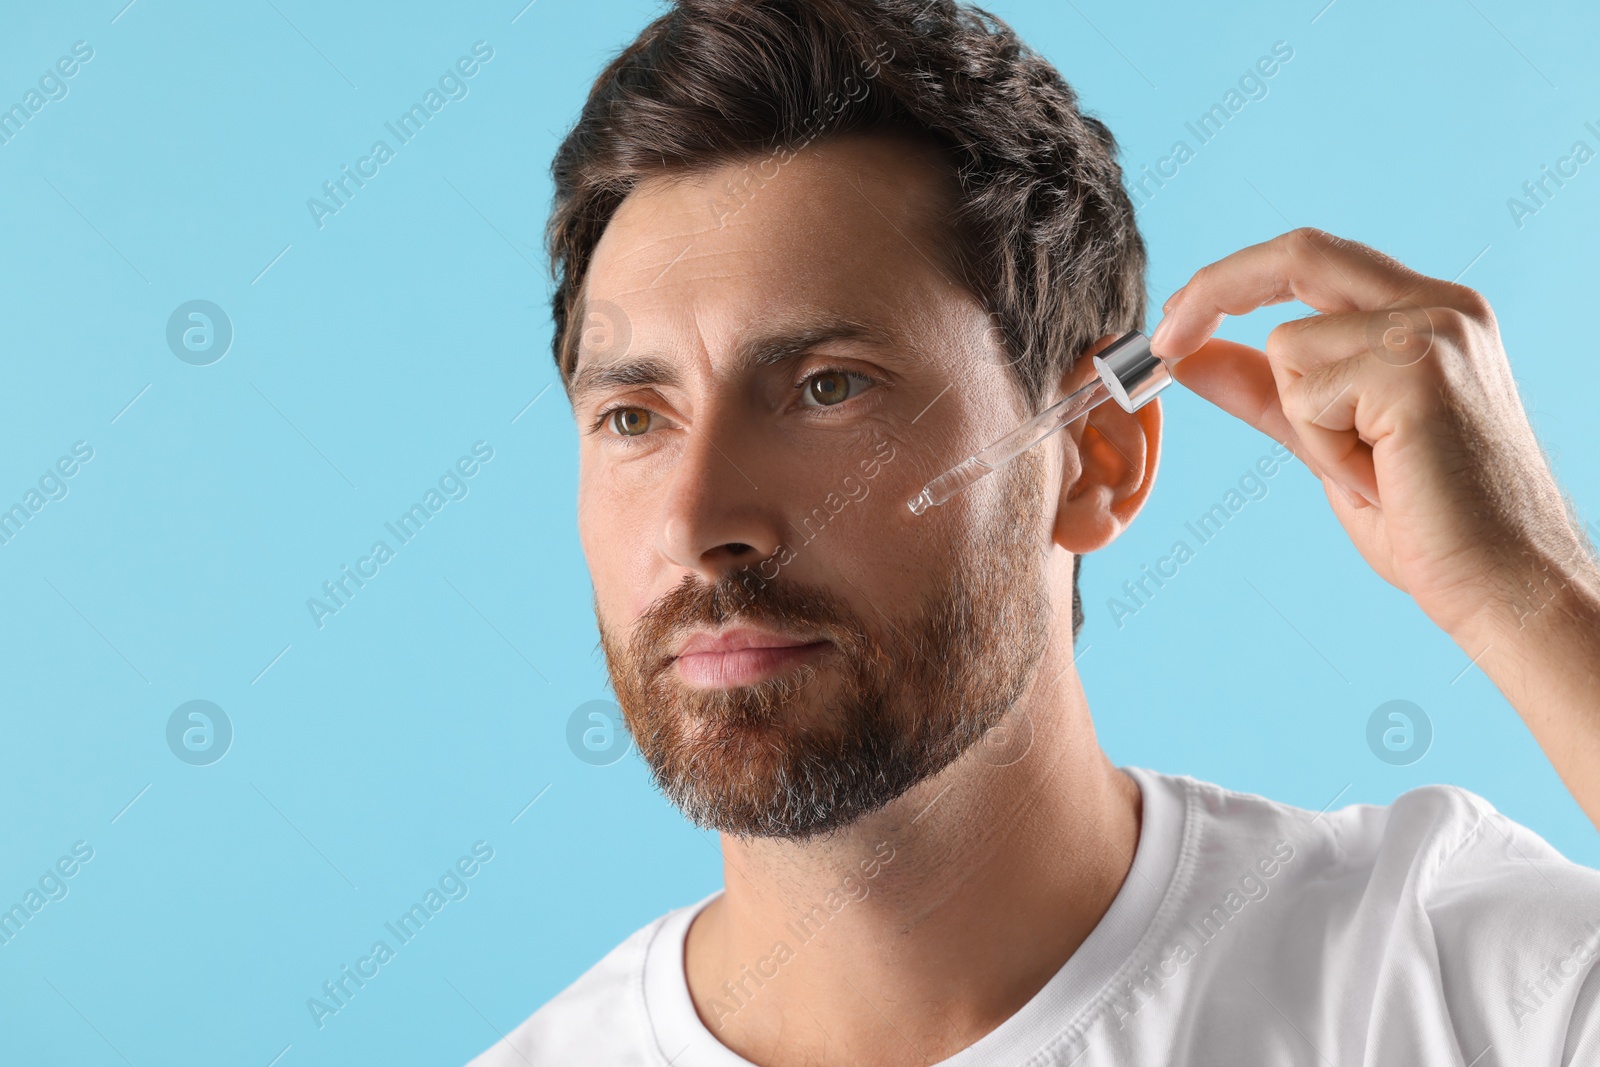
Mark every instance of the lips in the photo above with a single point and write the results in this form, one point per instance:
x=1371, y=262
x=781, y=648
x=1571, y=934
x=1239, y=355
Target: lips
x=739, y=639
x=742, y=656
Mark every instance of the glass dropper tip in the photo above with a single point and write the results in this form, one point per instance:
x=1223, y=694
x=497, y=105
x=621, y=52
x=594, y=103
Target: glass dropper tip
x=1127, y=370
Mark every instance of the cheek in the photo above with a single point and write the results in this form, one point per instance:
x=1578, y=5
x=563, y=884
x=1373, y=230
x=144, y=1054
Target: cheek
x=618, y=540
x=870, y=551
x=590, y=535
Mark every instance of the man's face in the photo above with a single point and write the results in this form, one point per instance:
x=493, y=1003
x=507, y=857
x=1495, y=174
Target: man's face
x=722, y=495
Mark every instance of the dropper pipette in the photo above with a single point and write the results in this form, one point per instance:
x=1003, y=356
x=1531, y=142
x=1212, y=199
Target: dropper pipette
x=1128, y=372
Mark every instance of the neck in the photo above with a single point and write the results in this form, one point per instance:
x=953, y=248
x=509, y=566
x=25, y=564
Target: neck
x=914, y=932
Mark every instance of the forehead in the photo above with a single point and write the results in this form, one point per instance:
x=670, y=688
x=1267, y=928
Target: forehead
x=847, y=228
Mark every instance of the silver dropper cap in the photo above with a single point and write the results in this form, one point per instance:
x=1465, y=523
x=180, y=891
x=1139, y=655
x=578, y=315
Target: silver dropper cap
x=1131, y=372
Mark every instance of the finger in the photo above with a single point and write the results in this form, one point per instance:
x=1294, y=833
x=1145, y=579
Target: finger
x=1248, y=385
x=1398, y=336
x=1346, y=380
x=1321, y=365
x=1325, y=408
x=1322, y=271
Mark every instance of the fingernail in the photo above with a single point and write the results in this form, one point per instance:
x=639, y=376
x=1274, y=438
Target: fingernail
x=1163, y=328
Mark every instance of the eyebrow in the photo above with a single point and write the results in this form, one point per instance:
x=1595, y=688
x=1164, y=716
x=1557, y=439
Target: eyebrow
x=764, y=351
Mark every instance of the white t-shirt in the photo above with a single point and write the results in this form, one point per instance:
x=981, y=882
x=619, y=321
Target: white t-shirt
x=1430, y=931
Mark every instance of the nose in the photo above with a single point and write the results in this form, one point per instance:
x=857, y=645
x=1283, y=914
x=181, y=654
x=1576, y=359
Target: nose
x=717, y=516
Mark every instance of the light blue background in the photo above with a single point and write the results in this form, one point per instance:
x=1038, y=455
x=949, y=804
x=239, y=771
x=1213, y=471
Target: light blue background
x=371, y=353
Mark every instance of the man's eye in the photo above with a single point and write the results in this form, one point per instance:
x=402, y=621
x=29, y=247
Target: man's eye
x=628, y=422
x=829, y=388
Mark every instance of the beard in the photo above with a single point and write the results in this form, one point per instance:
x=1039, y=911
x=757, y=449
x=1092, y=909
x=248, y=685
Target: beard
x=892, y=700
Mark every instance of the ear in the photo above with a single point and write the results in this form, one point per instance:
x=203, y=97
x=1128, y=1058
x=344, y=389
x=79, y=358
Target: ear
x=1108, y=469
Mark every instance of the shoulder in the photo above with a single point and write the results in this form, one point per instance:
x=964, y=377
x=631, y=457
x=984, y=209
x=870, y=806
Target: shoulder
x=1441, y=840
x=600, y=1018
x=1435, y=903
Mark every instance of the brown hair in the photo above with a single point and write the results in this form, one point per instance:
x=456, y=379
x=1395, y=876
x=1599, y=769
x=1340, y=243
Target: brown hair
x=1043, y=233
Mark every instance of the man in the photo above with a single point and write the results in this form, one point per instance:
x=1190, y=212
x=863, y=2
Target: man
x=810, y=253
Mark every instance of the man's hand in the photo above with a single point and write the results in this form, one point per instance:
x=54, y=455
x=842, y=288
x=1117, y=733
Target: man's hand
x=1398, y=395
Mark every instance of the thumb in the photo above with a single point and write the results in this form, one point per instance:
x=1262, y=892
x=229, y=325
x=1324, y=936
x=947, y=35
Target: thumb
x=1239, y=380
